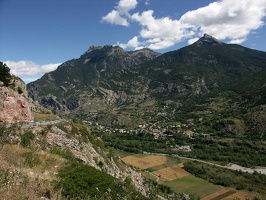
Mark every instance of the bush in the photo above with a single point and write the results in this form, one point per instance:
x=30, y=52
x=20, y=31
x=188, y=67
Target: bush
x=79, y=181
x=20, y=90
x=26, y=139
x=63, y=153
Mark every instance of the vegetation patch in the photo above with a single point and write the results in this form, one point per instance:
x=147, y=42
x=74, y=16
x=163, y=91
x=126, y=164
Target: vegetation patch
x=26, y=138
x=240, y=180
x=224, y=195
x=193, y=186
x=80, y=181
x=26, y=174
x=120, y=153
x=64, y=153
x=44, y=117
x=5, y=75
x=218, y=193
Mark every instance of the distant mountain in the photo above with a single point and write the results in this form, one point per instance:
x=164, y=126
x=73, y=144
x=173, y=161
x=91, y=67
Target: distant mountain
x=202, y=67
x=119, y=76
x=99, y=71
x=106, y=78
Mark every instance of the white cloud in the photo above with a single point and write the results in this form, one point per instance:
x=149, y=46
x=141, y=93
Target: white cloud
x=231, y=20
x=124, y=6
x=29, y=71
x=163, y=32
x=192, y=40
x=120, y=15
x=228, y=19
x=114, y=17
x=133, y=43
x=147, y=2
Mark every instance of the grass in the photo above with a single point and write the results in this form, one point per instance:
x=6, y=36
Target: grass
x=31, y=162
x=44, y=117
x=149, y=176
x=222, y=196
x=192, y=185
x=120, y=153
x=27, y=174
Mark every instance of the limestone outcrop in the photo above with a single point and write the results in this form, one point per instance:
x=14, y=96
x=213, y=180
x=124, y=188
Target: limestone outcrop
x=96, y=158
x=14, y=105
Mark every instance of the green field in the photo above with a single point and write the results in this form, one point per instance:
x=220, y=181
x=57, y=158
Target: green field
x=192, y=185
x=119, y=153
x=44, y=117
x=148, y=176
x=222, y=196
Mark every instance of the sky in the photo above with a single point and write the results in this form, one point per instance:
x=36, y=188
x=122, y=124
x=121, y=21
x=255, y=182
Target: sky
x=36, y=36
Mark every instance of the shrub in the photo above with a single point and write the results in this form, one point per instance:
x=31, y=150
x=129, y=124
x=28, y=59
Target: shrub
x=63, y=153
x=79, y=181
x=26, y=139
x=20, y=90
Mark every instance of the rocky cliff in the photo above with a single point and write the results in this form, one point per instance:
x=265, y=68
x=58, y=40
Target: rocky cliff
x=15, y=106
x=82, y=145
x=91, y=155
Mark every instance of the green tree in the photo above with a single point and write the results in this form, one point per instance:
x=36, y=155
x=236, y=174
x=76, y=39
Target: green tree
x=4, y=73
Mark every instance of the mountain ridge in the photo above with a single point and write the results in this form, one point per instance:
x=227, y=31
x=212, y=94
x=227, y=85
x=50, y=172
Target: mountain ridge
x=110, y=68
x=109, y=78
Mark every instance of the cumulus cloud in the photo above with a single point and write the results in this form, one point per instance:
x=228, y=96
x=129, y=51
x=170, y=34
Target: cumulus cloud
x=114, y=17
x=133, y=43
x=124, y=6
x=161, y=33
x=29, y=71
x=229, y=20
x=120, y=15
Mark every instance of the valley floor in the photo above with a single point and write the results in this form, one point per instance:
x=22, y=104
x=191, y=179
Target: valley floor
x=170, y=172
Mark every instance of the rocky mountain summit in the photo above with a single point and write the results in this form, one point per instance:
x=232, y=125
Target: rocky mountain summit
x=208, y=39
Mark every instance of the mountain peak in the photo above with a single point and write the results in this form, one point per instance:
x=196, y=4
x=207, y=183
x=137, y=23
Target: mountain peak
x=104, y=48
x=99, y=52
x=208, y=39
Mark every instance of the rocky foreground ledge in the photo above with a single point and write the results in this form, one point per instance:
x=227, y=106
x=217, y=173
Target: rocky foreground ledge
x=14, y=105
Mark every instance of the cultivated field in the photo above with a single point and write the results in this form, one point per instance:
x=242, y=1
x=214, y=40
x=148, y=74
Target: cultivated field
x=167, y=171
x=193, y=185
x=170, y=173
x=228, y=194
x=144, y=162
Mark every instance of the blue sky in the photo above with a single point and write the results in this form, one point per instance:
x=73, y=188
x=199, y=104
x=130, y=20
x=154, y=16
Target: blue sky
x=37, y=35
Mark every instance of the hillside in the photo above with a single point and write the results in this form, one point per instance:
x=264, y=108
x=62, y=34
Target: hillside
x=99, y=72
x=58, y=160
x=107, y=79
x=205, y=101
x=45, y=157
